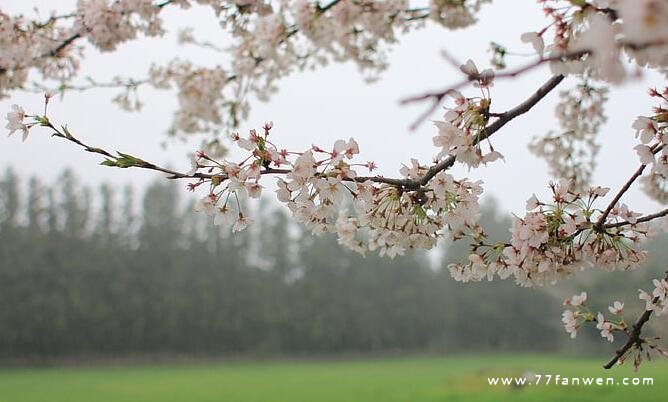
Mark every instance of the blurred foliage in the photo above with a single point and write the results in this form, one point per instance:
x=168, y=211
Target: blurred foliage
x=95, y=273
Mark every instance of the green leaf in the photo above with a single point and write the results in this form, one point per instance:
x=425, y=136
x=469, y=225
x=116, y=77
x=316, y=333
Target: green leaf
x=126, y=160
x=43, y=120
x=66, y=131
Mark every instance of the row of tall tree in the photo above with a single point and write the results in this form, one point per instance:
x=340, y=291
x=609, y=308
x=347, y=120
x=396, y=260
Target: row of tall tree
x=98, y=273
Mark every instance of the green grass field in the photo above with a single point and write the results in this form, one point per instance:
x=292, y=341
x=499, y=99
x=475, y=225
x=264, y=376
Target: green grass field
x=383, y=380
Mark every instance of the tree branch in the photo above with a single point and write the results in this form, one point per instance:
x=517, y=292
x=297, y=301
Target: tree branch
x=601, y=220
x=503, y=119
x=634, y=336
x=618, y=196
x=437, y=96
x=642, y=219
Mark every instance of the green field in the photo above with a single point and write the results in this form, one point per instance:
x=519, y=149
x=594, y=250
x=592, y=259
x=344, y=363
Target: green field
x=383, y=380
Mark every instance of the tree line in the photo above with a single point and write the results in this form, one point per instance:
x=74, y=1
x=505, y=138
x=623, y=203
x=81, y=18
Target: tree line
x=106, y=272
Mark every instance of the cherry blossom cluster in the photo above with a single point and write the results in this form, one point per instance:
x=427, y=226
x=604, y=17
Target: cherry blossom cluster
x=578, y=314
x=456, y=13
x=574, y=319
x=458, y=133
x=556, y=240
x=21, y=44
x=590, y=37
x=324, y=191
x=200, y=94
x=571, y=152
x=652, y=150
x=106, y=24
x=657, y=301
x=396, y=220
x=271, y=39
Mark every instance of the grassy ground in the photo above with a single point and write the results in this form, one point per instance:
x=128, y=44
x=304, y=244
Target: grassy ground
x=386, y=380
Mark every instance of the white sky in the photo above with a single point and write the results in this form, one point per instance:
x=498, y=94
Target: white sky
x=331, y=103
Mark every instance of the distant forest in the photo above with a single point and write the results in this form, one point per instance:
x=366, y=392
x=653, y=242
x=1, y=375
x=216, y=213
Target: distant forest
x=102, y=272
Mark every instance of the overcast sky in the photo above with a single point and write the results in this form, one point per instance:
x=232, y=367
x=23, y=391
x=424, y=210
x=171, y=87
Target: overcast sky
x=322, y=106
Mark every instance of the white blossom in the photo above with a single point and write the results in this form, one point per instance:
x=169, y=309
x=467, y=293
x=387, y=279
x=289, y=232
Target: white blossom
x=570, y=323
x=241, y=223
x=536, y=40
x=616, y=308
x=605, y=327
x=577, y=300
x=15, y=121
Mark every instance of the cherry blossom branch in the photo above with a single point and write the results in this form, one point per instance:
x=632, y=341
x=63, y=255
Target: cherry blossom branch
x=634, y=336
x=55, y=51
x=60, y=47
x=503, y=119
x=131, y=161
x=618, y=196
x=78, y=35
x=127, y=161
x=437, y=96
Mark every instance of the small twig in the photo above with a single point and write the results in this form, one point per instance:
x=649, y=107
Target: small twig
x=437, y=96
x=54, y=18
x=601, y=220
x=323, y=9
x=642, y=219
x=55, y=51
x=618, y=196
